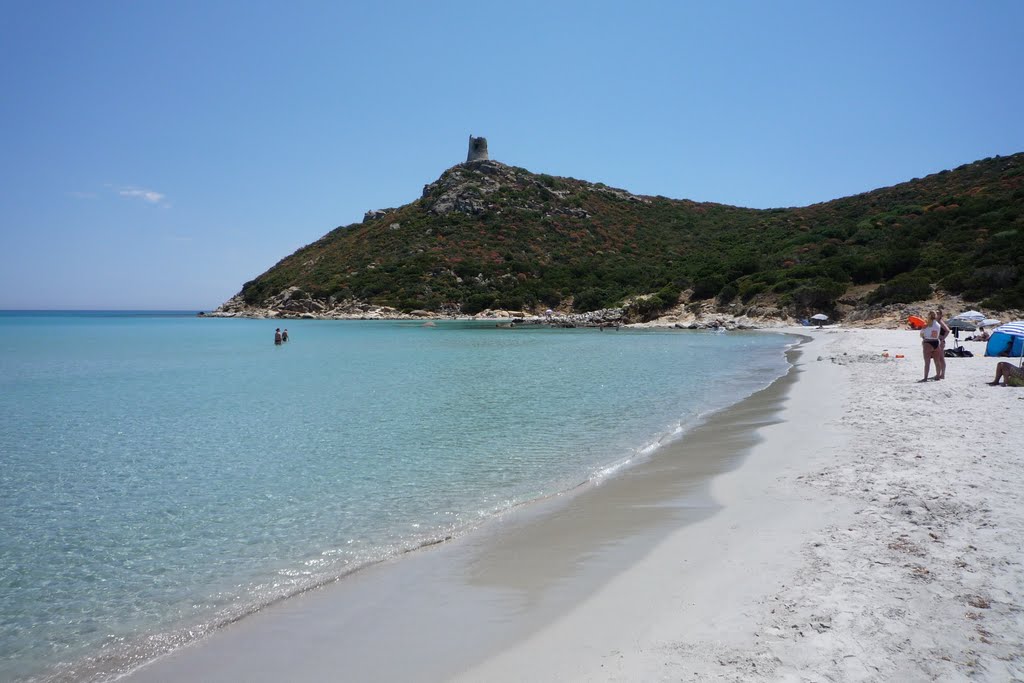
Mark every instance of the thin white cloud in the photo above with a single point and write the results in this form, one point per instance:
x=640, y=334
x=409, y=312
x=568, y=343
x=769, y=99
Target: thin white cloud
x=151, y=196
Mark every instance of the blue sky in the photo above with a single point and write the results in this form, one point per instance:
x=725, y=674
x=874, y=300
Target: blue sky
x=160, y=154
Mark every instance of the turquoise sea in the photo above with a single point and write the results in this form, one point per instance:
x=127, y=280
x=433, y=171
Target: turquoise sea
x=162, y=474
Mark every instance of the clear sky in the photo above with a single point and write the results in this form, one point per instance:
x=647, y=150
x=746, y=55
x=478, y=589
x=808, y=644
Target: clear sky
x=159, y=154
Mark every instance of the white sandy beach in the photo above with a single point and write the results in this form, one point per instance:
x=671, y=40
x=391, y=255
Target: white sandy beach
x=875, y=533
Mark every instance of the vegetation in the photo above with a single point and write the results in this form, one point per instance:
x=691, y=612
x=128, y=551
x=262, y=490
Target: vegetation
x=487, y=235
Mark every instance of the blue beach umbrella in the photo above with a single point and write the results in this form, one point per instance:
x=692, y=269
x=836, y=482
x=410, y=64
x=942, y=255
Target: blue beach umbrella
x=1007, y=340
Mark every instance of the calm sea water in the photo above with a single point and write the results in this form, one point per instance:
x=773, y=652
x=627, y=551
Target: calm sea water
x=163, y=474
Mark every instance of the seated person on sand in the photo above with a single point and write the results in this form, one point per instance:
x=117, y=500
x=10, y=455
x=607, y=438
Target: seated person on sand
x=983, y=336
x=1011, y=374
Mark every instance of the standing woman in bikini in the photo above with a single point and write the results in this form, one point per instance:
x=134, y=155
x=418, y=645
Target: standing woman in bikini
x=940, y=356
x=930, y=335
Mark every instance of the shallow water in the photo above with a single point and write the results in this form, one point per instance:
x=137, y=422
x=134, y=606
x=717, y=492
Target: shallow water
x=164, y=474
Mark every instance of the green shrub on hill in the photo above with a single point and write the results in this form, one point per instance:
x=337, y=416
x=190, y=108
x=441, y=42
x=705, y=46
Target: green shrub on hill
x=905, y=288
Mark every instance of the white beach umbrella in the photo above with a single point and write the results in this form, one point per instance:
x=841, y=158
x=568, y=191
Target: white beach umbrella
x=973, y=316
x=819, y=316
x=989, y=322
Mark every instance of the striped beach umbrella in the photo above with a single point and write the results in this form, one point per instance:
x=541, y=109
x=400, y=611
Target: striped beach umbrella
x=1014, y=329
x=1007, y=340
x=973, y=316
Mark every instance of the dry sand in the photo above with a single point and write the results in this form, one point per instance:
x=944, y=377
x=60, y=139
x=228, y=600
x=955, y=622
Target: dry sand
x=873, y=534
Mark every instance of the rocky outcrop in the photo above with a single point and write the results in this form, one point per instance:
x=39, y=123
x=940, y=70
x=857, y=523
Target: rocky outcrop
x=568, y=211
x=725, y=324
x=605, y=317
x=470, y=188
x=464, y=192
x=466, y=201
x=622, y=194
x=295, y=303
x=374, y=214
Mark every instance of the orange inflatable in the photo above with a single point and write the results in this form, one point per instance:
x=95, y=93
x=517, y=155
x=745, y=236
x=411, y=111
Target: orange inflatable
x=915, y=322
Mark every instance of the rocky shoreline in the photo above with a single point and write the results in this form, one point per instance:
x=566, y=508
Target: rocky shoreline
x=293, y=303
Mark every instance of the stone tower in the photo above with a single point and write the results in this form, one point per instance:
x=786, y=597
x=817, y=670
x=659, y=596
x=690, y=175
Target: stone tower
x=477, y=149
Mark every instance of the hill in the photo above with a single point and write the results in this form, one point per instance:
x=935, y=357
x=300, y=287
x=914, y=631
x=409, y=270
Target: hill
x=486, y=236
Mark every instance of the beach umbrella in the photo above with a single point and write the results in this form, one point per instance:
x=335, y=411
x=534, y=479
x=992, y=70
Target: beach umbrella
x=1007, y=340
x=960, y=324
x=989, y=322
x=973, y=316
x=1014, y=329
x=819, y=316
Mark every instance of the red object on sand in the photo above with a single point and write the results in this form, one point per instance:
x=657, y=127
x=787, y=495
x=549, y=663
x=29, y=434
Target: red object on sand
x=915, y=322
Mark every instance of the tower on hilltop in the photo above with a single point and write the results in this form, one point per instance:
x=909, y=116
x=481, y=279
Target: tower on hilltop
x=477, y=149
